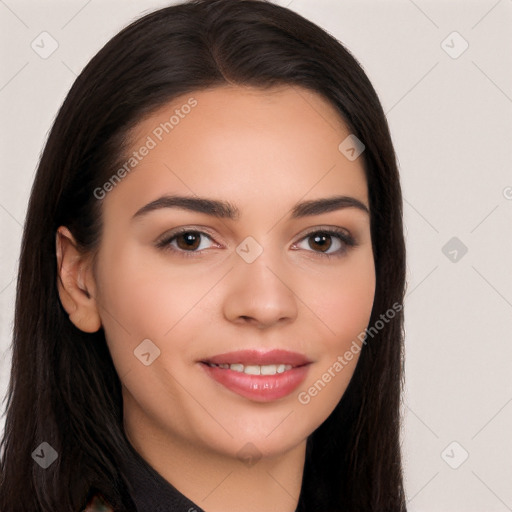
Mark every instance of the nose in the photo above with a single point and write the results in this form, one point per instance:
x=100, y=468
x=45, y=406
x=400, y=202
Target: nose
x=260, y=294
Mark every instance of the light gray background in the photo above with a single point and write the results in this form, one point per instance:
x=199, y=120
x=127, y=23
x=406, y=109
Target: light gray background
x=451, y=121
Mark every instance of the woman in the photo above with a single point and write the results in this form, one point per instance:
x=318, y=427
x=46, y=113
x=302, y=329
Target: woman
x=209, y=305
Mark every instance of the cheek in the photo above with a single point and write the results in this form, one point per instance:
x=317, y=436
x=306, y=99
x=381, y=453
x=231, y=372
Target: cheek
x=344, y=304
x=131, y=290
x=135, y=304
x=141, y=299
x=344, y=299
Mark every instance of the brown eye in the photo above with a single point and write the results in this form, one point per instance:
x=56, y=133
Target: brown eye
x=188, y=241
x=320, y=241
x=328, y=242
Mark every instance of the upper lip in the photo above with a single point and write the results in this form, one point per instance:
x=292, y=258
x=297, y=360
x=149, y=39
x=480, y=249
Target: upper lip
x=257, y=357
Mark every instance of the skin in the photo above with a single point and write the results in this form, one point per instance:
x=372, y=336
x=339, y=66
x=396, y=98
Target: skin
x=263, y=151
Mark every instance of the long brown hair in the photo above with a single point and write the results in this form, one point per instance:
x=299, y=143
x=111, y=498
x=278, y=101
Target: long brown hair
x=63, y=388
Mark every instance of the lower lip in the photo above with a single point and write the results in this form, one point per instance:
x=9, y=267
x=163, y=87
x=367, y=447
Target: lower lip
x=260, y=388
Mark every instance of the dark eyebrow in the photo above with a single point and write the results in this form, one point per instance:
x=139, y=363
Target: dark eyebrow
x=329, y=204
x=225, y=210
x=213, y=207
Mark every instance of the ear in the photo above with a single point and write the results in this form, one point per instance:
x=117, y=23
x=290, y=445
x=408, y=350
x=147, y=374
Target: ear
x=75, y=282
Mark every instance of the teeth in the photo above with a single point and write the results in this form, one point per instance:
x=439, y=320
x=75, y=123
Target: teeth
x=281, y=368
x=255, y=369
x=252, y=370
x=270, y=369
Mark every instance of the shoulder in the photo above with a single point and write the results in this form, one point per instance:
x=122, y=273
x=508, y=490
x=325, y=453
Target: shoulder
x=97, y=503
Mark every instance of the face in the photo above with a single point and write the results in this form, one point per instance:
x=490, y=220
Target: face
x=183, y=285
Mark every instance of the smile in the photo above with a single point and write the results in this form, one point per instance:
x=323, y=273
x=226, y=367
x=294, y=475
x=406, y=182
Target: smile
x=254, y=369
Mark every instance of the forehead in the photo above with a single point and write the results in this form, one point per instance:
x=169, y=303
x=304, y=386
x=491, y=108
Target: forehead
x=241, y=143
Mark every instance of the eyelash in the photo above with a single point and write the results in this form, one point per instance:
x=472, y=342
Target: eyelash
x=346, y=240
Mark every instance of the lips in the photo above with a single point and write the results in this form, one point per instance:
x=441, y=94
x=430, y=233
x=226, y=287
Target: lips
x=256, y=357
x=284, y=372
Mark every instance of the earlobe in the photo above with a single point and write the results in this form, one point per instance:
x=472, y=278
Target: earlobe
x=75, y=283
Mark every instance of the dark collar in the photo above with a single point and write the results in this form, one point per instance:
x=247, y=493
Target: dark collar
x=150, y=491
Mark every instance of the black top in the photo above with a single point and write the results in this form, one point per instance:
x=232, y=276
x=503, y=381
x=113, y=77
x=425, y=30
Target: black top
x=150, y=491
